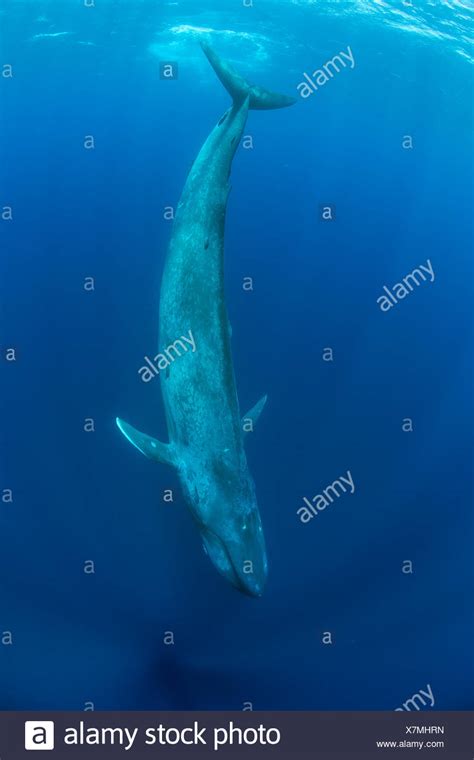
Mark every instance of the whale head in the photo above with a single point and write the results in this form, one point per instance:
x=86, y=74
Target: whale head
x=225, y=508
x=237, y=551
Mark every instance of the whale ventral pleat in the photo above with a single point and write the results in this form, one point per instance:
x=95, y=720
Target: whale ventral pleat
x=206, y=244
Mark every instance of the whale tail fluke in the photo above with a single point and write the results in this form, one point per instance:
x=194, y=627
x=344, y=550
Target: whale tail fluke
x=239, y=88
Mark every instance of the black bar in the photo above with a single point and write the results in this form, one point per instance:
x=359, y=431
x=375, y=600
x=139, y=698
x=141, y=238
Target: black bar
x=278, y=735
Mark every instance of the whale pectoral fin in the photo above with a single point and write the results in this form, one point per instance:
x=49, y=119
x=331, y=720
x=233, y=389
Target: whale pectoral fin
x=153, y=449
x=250, y=419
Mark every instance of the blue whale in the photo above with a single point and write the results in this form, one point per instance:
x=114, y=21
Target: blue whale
x=205, y=430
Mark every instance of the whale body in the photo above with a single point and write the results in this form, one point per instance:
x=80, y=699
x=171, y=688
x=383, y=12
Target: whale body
x=206, y=435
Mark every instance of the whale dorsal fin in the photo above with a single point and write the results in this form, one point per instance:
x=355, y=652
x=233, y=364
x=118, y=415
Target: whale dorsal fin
x=252, y=416
x=150, y=447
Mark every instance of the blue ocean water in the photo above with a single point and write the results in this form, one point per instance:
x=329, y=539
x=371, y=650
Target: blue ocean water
x=371, y=600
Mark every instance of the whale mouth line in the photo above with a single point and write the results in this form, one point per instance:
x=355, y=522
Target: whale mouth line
x=221, y=545
x=230, y=572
